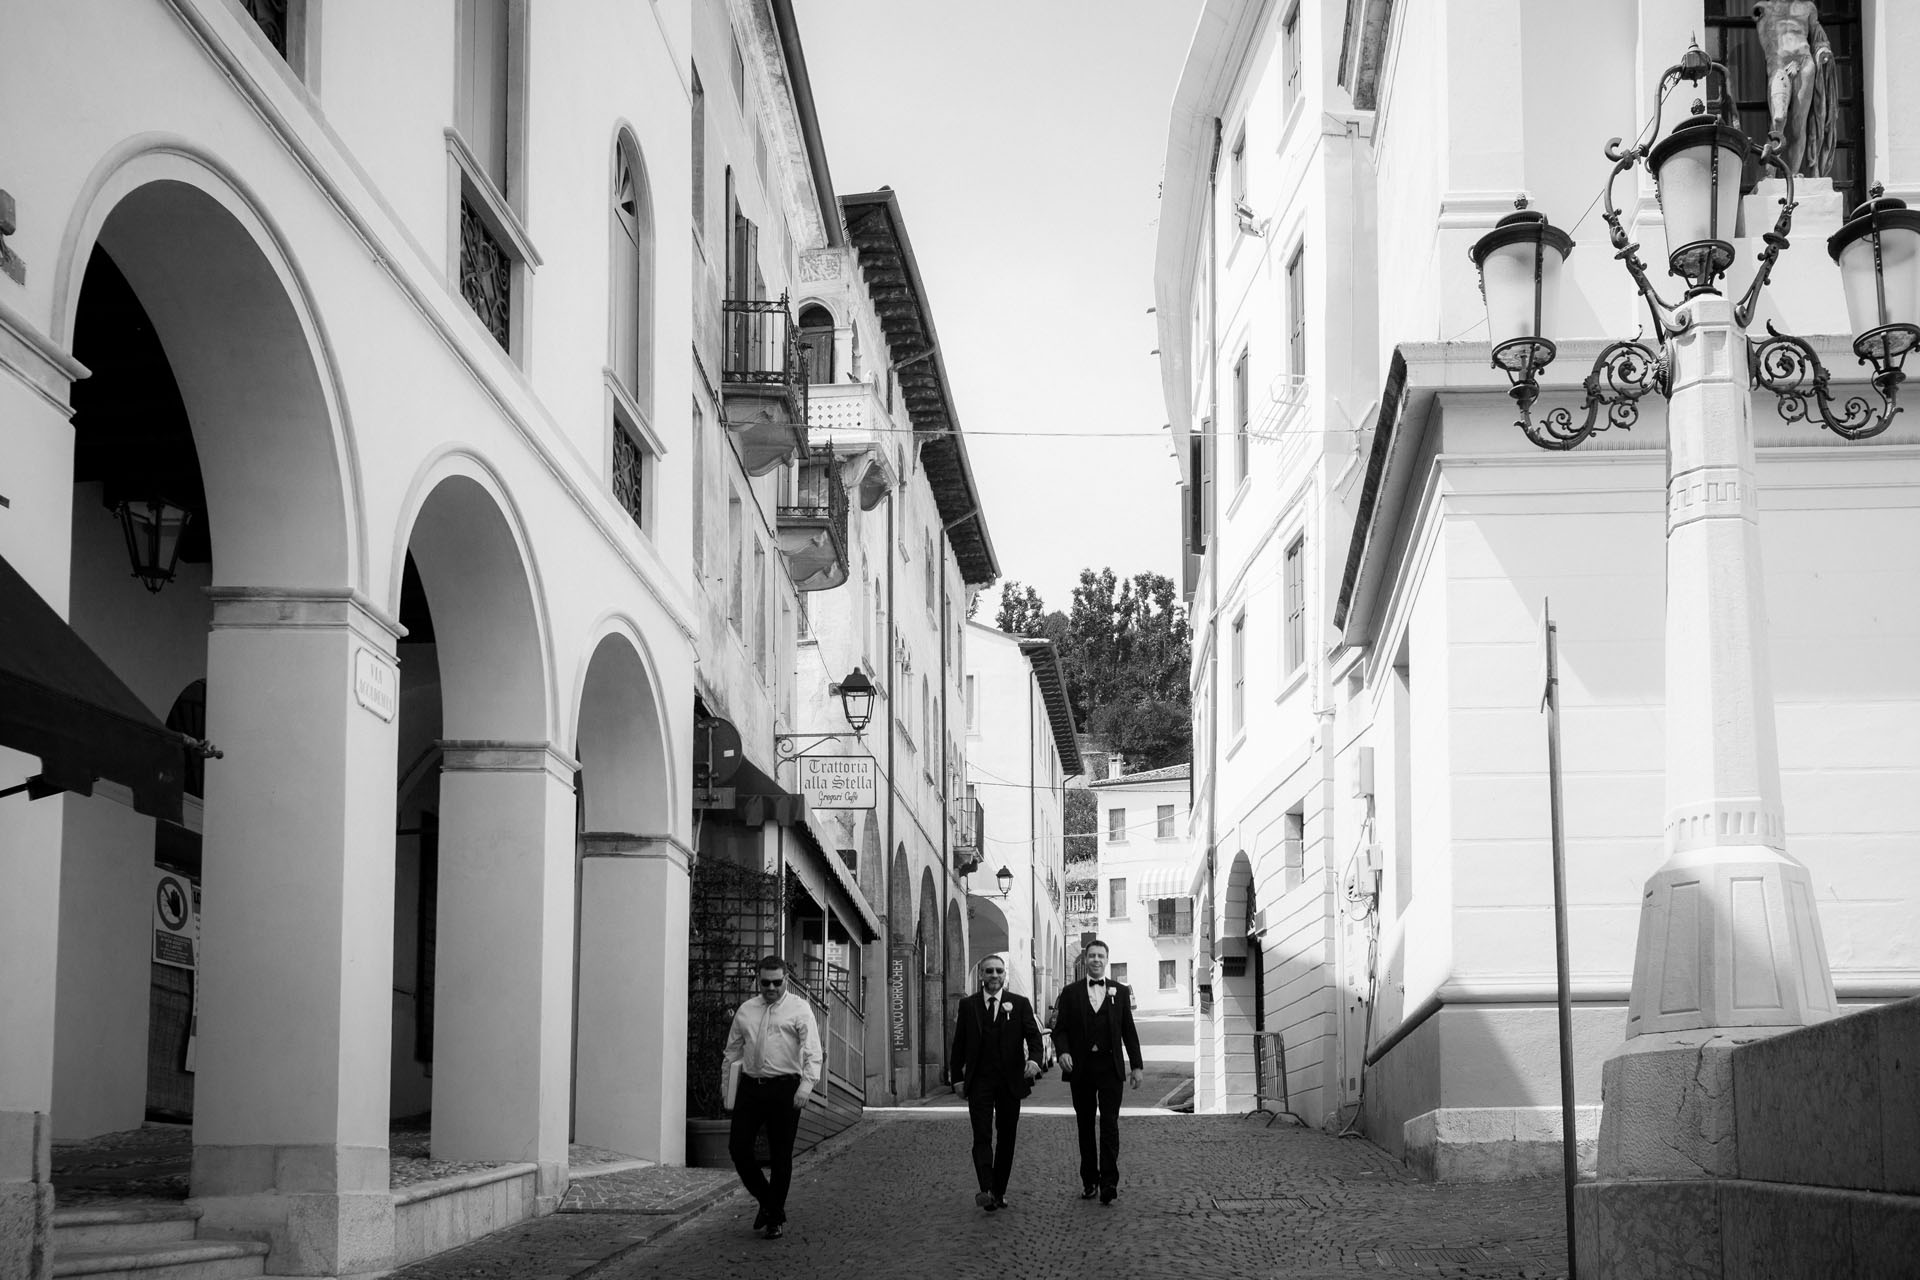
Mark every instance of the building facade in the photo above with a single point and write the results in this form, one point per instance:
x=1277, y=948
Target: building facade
x=498, y=538
x=404, y=355
x=1145, y=889
x=1021, y=749
x=1371, y=808
x=886, y=432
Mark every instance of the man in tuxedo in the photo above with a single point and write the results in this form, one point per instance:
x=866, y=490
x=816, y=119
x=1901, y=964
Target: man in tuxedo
x=996, y=1056
x=1092, y=1026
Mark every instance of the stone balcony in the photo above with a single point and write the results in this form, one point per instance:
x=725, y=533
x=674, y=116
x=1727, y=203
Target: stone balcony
x=813, y=525
x=855, y=424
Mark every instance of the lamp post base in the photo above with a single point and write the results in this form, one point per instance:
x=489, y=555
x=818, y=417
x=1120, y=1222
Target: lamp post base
x=1729, y=938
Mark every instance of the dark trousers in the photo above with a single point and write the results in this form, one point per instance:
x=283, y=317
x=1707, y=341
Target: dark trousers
x=1098, y=1087
x=766, y=1102
x=995, y=1112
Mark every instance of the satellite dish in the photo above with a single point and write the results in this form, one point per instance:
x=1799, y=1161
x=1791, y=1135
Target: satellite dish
x=716, y=751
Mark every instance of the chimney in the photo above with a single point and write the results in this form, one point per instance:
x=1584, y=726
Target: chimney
x=1115, y=765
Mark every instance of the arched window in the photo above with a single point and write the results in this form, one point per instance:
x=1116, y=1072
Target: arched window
x=634, y=446
x=632, y=283
x=816, y=340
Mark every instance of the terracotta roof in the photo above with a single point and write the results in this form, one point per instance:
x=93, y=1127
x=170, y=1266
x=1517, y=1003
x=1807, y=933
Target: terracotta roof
x=1171, y=773
x=875, y=228
x=1052, y=679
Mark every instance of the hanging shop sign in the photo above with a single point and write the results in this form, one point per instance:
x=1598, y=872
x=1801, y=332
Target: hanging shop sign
x=176, y=922
x=839, y=782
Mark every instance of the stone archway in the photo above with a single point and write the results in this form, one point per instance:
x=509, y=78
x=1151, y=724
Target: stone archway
x=631, y=902
x=501, y=958
x=1236, y=990
x=214, y=391
x=954, y=961
x=927, y=946
x=903, y=985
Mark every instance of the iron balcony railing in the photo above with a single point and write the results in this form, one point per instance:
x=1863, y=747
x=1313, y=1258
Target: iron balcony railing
x=763, y=347
x=818, y=504
x=970, y=825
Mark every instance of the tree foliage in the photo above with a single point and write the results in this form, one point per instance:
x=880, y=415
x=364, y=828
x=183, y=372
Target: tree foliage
x=1125, y=646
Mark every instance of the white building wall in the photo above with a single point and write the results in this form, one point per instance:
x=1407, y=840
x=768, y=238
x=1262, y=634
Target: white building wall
x=1142, y=851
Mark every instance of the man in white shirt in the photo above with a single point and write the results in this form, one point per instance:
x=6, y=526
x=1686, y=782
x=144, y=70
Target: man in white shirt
x=776, y=1043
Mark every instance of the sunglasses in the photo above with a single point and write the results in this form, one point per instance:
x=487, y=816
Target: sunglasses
x=773, y=982
x=992, y=973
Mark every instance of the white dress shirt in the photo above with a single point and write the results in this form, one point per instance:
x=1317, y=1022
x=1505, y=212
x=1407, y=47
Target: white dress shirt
x=1096, y=996
x=778, y=1039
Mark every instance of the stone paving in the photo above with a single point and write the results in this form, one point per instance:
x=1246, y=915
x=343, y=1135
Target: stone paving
x=1202, y=1197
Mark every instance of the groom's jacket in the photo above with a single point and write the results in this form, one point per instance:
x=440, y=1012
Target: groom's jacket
x=1082, y=1032
x=995, y=1054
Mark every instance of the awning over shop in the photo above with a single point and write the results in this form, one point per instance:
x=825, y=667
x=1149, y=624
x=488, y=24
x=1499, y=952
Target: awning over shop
x=846, y=896
x=1154, y=883
x=61, y=702
x=759, y=799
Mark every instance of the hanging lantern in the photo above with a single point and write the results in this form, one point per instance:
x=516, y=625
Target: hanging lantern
x=153, y=528
x=1878, y=252
x=1004, y=878
x=1696, y=170
x=856, y=699
x=1520, y=262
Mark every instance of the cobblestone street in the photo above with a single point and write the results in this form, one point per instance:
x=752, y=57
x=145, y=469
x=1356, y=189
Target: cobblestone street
x=1206, y=1196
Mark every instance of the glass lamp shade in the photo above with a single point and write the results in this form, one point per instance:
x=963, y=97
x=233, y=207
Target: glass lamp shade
x=1519, y=262
x=1696, y=169
x=153, y=528
x=856, y=699
x=1004, y=878
x=1878, y=252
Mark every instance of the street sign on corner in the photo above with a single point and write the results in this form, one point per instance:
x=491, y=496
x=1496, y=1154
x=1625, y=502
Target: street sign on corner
x=839, y=782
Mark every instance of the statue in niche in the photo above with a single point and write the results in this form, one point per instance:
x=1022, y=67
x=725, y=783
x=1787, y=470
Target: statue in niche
x=1803, y=90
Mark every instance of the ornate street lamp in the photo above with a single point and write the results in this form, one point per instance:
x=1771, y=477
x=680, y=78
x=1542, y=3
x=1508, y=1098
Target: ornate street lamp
x=1729, y=935
x=856, y=694
x=1004, y=878
x=1696, y=170
x=154, y=528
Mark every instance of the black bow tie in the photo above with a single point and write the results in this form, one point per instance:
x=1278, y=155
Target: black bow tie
x=1096, y=982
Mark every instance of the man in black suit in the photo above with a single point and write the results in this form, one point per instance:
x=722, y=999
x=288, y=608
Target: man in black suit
x=1092, y=1024
x=996, y=1056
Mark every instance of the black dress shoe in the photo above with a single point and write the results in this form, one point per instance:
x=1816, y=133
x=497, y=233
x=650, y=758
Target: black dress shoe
x=760, y=1219
x=1107, y=1194
x=999, y=1202
x=983, y=1199
x=775, y=1231
x=1087, y=1190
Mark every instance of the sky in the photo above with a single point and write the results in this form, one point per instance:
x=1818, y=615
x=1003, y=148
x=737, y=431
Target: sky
x=1024, y=143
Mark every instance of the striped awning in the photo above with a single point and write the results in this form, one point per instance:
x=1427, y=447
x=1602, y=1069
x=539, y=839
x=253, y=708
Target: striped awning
x=1153, y=883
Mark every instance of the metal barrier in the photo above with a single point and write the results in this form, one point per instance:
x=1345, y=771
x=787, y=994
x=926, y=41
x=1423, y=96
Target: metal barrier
x=1269, y=1073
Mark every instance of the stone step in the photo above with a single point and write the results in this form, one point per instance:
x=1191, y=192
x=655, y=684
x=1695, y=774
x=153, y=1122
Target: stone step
x=118, y=1226
x=170, y=1260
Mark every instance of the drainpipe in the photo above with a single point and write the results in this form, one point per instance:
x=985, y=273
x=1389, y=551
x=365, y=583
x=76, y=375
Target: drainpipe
x=946, y=802
x=1207, y=524
x=886, y=856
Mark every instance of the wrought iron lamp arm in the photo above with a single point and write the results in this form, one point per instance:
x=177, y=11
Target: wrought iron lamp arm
x=789, y=745
x=1776, y=239
x=1621, y=376
x=1788, y=367
x=1626, y=250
